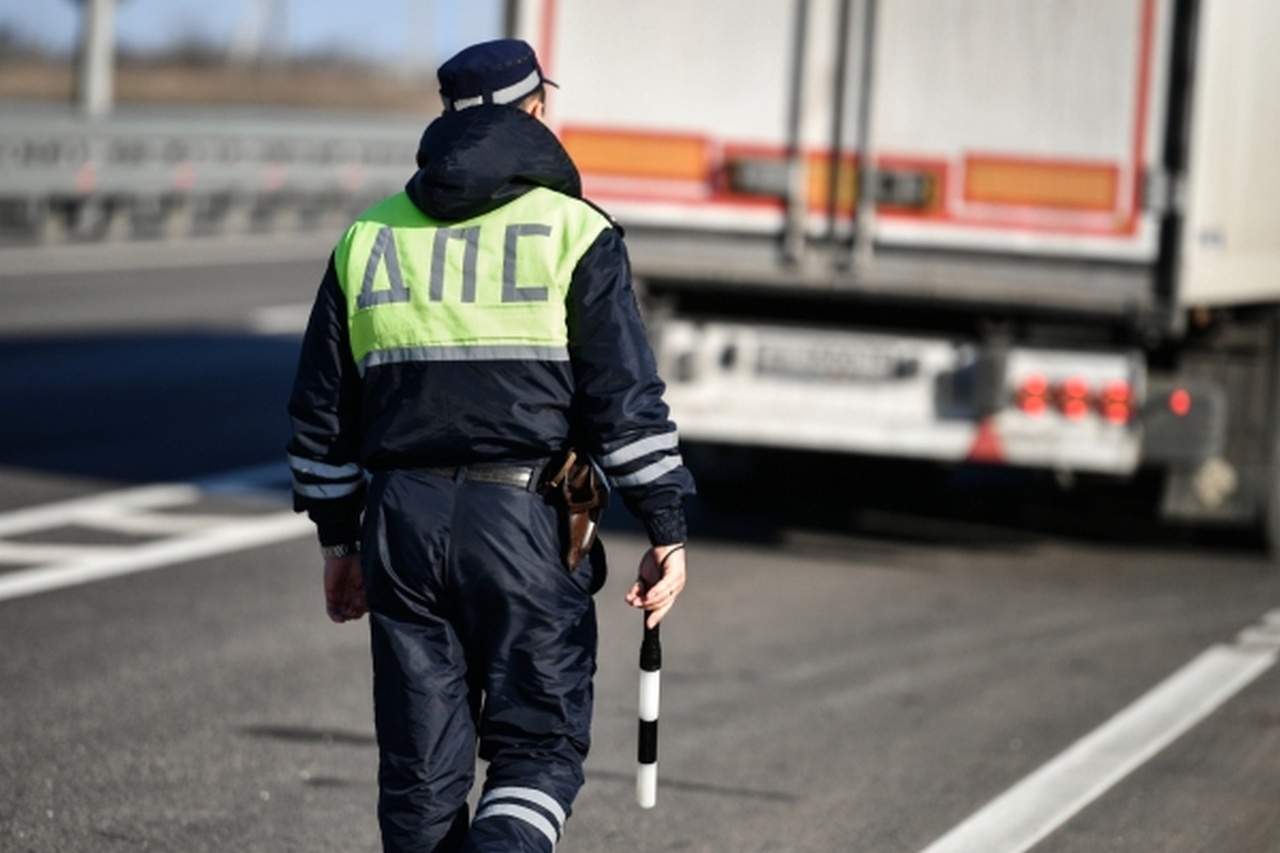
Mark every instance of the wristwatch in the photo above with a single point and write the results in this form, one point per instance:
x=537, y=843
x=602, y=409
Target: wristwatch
x=330, y=552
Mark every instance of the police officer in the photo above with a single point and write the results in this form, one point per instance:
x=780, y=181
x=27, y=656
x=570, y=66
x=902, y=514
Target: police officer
x=467, y=330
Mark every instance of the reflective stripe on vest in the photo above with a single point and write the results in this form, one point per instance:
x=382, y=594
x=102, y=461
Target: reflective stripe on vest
x=488, y=288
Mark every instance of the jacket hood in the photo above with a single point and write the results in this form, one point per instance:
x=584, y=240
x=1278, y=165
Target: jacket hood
x=476, y=160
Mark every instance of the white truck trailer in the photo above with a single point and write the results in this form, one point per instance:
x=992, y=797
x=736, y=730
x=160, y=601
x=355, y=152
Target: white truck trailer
x=1040, y=233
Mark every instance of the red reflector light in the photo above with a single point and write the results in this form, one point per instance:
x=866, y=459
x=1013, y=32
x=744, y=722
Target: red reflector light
x=1116, y=402
x=1076, y=387
x=1033, y=406
x=1032, y=395
x=1073, y=398
x=1180, y=402
x=1075, y=409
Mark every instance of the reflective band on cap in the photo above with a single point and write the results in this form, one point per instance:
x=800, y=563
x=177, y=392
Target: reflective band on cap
x=505, y=95
x=516, y=91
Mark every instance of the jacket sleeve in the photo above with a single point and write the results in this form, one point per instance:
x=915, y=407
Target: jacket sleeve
x=619, y=393
x=324, y=450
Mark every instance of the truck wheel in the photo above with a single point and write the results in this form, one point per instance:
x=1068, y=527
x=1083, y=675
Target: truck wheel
x=1271, y=509
x=1271, y=504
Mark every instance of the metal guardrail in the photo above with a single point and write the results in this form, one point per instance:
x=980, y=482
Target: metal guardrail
x=153, y=173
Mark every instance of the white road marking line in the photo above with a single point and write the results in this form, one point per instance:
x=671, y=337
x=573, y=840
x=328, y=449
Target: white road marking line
x=237, y=535
x=40, y=552
x=1039, y=804
x=67, y=512
x=273, y=477
x=188, y=536
x=141, y=523
x=280, y=319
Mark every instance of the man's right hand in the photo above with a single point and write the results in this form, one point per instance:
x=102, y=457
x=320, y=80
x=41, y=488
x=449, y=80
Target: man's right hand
x=662, y=578
x=344, y=588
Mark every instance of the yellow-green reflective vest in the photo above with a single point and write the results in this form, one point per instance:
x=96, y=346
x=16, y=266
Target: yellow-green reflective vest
x=493, y=287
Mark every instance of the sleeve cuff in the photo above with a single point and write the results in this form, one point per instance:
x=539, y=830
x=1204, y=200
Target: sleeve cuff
x=338, y=532
x=667, y=527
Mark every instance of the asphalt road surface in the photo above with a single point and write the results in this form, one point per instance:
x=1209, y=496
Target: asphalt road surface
x=868, y=657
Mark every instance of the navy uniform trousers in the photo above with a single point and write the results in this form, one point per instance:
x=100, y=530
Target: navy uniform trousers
x=479, y=635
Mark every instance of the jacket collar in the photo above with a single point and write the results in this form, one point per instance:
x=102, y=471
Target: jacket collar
x=476, y=160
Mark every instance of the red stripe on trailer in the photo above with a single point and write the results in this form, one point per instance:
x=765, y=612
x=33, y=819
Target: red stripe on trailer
x=1146, y=29
x=546, y=50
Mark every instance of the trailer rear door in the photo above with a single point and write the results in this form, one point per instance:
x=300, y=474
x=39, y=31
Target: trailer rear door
x=1231, y=250
x=999, y=126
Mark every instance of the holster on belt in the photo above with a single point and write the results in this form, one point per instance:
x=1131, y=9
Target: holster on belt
x=578, y=487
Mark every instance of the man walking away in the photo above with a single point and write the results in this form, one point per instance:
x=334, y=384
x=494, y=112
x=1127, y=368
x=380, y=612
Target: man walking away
x=468, y=332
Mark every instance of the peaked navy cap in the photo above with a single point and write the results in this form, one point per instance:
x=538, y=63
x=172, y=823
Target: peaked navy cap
x=503, y=71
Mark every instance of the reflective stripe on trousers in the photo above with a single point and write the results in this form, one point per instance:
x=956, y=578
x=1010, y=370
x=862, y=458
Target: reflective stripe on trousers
x=479, y=634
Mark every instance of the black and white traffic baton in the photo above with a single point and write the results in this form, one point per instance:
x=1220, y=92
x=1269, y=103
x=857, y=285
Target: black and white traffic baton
x=650, y=675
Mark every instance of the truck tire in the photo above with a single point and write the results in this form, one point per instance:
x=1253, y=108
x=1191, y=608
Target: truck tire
x=1271, y=503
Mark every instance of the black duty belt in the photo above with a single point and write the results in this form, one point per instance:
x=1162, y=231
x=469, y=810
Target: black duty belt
x=504, y=475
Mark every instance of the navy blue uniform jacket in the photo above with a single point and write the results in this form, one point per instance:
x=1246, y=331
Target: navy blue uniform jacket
x=606, y=399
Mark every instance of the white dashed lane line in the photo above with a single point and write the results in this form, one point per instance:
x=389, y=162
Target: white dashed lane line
x=172, y=537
